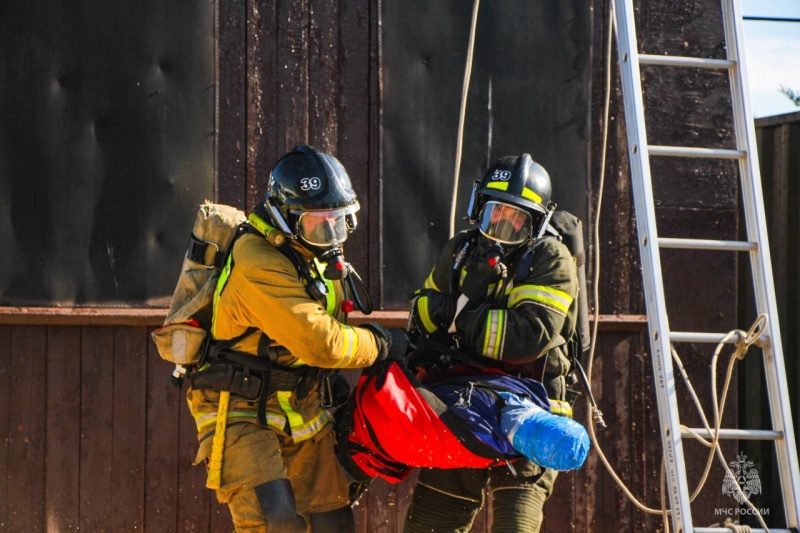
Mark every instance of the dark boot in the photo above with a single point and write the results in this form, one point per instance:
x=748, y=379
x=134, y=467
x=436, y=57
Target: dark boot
x=280, y=511
x=337, y=521
x=432, y=511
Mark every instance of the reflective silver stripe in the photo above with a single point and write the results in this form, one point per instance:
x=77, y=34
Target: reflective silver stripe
x=549, y=297
x=349, y=345
x=495, y=333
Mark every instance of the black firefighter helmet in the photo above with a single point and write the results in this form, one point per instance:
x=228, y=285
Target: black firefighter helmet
x=309, y=196
x=511, y=201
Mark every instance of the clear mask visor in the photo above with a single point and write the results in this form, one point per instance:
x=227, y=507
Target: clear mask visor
x=505, y=223
x=328, y=227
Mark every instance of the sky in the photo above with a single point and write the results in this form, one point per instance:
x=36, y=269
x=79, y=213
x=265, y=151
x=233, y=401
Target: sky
x=772, y=54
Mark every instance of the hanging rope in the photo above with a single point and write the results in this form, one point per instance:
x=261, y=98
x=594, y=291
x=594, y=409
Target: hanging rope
x=596, y=277
x=462, y=115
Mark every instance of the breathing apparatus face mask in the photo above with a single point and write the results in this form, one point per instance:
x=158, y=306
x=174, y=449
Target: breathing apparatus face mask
x=323, y=232
x=326, y=228
x=505, y=223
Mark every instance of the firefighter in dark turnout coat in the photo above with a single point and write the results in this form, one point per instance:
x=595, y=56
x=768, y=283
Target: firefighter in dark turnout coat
x=505, y=295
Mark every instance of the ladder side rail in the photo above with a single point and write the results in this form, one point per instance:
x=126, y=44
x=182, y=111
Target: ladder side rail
x=766, y=299
x=678, y=490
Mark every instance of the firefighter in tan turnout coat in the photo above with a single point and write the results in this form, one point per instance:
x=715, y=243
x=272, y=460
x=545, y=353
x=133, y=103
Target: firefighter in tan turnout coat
x=279, y=334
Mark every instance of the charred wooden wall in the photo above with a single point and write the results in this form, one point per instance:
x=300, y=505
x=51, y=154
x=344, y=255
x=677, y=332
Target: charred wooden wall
x=94, y=439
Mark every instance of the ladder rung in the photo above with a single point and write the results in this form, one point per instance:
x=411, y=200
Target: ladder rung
x=711, y=338
x=736, y=434
x=683, y=61
x=687, y=151
x=707, y=244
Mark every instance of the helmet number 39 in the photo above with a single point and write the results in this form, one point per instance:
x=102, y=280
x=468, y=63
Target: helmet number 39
x=308, y=184
x=502, y=175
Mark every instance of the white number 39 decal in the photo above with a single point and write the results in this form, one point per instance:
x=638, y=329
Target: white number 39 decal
x=310, y=183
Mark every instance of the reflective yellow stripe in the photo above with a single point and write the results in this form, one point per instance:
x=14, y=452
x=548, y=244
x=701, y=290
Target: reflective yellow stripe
x=501, y=185
x=492, y=340
x=207, y=420
x=304, y=431
x=424, y=314
x=295, y=418
x=223, y=280
x=330, y=298
x=560, y=408
x=312, y=427
x=430, y=284
x=555, y=299
x=259, y=224
x=530, y=195
x=349, y=344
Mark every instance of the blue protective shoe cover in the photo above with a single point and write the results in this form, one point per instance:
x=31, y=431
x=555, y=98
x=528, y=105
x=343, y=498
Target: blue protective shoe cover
x=548, y=440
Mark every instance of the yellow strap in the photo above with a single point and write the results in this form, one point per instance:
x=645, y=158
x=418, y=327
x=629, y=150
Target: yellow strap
x=218, y=444
x=560, y=407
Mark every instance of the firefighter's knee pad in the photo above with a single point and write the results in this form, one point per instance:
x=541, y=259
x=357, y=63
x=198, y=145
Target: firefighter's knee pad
x=278, y=505
x=518, y=510
x=434, y=511
x=337, y=521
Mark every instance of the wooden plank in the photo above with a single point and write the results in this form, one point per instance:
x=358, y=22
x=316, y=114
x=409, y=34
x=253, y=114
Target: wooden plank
x=374, y=252
x=194, y=499
x=404, y=492
x=483, y=520
x=263, y=144
x=561, y=498
x=27, y=422
x=5, y=420
x=128, y=439
x=353, y=123
x=292, y=75
x=232, y=103
x=97, y=470
x=63, y=428
x=323, y=77
x=380, y=519
x=72, y=316
x=614, y=508
x=161, y=445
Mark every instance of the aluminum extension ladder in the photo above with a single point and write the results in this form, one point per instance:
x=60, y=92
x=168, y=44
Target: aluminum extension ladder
x=757, y=247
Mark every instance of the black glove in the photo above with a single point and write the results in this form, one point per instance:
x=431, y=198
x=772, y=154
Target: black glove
x=469, y=324
x=433, y=309
x=392, y=342
x=482, y=270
